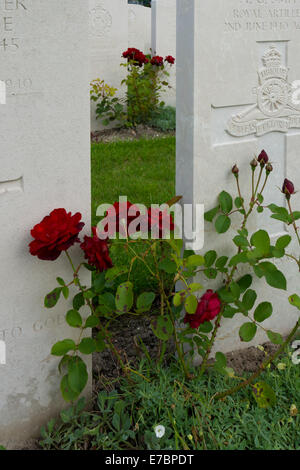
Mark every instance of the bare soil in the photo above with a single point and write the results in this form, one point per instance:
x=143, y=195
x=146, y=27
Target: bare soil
x=140, y=132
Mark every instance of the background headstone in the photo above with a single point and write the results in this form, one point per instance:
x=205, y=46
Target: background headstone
x=229, y=54
x=164, y=39
x=139, y=27
x=45, y=164
x=108, y=39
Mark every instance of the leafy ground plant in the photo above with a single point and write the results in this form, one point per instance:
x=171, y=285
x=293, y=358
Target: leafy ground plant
x=164, y=411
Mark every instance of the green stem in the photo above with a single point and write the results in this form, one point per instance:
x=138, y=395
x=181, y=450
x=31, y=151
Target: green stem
x=211, y=343
x=102, y=329
x=293, y=219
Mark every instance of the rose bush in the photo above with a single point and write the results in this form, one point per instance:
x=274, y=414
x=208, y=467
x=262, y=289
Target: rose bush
x=108, y=297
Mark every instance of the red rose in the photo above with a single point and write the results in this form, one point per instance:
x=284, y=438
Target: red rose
x=136, y=56
x=263, y=158
x=56, y=233
x=170, y=59
x=117, y=216
x=96, y=252
x=208, y=308
x=157, y=60
x=161, y=220
x=288, y=188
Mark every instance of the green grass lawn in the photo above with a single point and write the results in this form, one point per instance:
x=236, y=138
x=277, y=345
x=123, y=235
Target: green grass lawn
x=143, y=170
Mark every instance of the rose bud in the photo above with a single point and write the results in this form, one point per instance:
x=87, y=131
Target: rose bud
x=263, y=158
x=269, y=168
x=288, y=188
x=235, y=170
x=254, y=164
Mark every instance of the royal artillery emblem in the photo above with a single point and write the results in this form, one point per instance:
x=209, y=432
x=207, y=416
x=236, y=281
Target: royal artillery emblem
x=275, y=109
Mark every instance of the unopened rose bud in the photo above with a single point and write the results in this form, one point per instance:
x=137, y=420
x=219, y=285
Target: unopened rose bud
x=254, y=164
x=269, y=168
x=235, y=170
x=288, y=188
x=263, y=158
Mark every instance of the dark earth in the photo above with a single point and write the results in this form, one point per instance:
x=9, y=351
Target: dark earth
x=140, y=132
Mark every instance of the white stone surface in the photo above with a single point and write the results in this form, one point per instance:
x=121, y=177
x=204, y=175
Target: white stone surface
x=220, y=50
x=164, y=39
x=45, y=164
x=139, y=27
x=108, y=40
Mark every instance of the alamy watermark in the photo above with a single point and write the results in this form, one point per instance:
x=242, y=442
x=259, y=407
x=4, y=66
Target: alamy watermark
x=136, y=221
x=2, y=92
x=296, y=354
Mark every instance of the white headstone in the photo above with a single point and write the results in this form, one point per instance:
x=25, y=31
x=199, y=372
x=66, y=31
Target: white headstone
x=45, y=164
x=139, y=27
x=235, y=61
x=164, y=39
x=108, y=39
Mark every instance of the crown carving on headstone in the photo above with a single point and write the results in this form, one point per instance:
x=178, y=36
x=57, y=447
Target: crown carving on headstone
x=272, y=57
x=273, y=67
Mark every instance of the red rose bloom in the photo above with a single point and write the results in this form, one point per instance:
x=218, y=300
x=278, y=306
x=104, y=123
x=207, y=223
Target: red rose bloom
x=288, y=188
x=160, y=219
x=135, y=55
x=157, y=60
x=115, y=218
x=56, y=233
x=208, y=308
x=96, y=252
x=170, y=59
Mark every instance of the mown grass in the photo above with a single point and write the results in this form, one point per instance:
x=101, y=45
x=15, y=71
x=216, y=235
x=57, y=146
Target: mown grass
x=143, y=170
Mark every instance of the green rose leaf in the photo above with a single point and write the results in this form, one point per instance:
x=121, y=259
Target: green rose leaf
x=78, y=301
x=77, y=375
x=74, y=319
x=209, y=258
x=264, y=395
x=145, y=301
x=222, y=224
x=275, y=338
x=245, y=282
x=68, y=394
x=63, y=347
x=261, y=241
x=52, y=298
x=99, y=283
x=295, y=300
x=283, y=242
x=168, y=266
x=249, y=299
x=247, y=331
x=116, y=271
x=206, y=327
x=191, y=304
x=162, y=327
x=195, y=261
x=226, y=203
x=221, y=262
x=263, y=311
x=124, y=297
x=210, y=215
x=87, y=346
x=91, y=322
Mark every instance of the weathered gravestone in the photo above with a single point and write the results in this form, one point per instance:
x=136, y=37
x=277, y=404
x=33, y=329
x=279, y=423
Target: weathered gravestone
x=139, y=27
x=164, y=39
x=45, y=164
x=236, y=61
x=108, y=39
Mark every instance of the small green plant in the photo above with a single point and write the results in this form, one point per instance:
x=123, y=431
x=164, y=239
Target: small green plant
x=158, y=409
x=109, y=107
x=164, y=119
